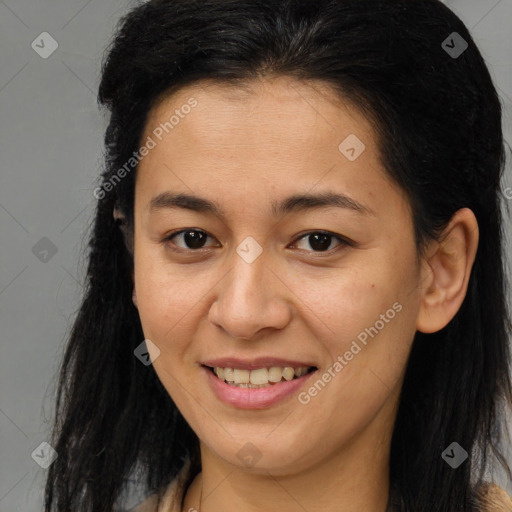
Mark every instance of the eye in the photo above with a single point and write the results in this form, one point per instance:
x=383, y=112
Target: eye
x=321, y=240
x=194, y=239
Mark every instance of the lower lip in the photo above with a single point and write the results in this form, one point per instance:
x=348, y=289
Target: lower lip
x=254, y=398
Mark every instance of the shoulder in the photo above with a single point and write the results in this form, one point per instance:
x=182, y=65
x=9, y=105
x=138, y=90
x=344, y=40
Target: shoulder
x=148, y=505
x=489, y=497
x=170, y=502
x=172, y=497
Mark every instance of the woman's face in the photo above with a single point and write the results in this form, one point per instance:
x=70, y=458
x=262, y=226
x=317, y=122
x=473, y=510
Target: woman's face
x=253, y=285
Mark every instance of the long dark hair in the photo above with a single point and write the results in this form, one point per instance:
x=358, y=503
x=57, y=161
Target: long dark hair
x=438, y=119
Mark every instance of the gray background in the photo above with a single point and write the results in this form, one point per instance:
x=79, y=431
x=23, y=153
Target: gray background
x=50, y=157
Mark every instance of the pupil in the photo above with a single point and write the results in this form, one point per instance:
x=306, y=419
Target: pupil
x=194, y=239
x=319, y=245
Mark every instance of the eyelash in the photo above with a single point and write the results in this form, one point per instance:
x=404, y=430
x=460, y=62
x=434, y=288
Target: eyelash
x=343, y=241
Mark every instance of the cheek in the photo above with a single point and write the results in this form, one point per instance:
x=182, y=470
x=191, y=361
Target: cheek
x=350, y=299
x=166, y=298
x=367, y=314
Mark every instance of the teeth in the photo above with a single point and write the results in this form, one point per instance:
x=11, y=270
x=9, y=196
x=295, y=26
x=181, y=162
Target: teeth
x=262, y=377
x=288, y=373
x=275, y=374
x=259, y=376
x=241, y=376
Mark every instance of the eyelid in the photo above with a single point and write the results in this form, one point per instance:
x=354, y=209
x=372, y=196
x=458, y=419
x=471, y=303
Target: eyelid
x=342, y=240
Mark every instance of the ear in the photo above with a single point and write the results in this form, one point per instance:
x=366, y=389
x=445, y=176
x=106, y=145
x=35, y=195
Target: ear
x=446, y=271
x=120, y=220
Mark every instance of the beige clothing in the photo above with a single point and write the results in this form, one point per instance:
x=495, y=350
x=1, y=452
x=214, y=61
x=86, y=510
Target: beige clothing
x=491, y=498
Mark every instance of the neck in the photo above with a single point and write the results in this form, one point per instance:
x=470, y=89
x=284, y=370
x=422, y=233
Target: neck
x=352, y=479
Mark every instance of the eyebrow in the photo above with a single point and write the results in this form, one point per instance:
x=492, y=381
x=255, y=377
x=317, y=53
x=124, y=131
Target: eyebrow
x=292, y=204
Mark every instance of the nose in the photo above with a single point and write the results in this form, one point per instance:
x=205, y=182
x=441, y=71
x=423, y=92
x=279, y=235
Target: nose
x=252, y=300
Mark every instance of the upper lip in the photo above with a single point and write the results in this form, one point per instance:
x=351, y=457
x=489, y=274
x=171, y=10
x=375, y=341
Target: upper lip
x=255, y=363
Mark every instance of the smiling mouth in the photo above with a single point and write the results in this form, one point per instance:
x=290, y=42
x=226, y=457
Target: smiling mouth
x=260, y=377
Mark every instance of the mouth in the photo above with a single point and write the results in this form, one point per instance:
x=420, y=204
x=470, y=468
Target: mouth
x=263, y=377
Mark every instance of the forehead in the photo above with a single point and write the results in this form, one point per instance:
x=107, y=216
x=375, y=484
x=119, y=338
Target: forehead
x=279, y=106
x=269, y=134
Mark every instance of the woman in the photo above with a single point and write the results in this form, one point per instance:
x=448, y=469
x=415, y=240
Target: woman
x=296, y=291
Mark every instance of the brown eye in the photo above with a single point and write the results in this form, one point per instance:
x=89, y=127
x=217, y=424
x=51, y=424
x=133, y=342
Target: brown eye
x=320, y=241
x=193, y=239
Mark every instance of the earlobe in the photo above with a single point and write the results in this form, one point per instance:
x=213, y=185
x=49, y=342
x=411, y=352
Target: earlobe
x=117, y=213
x=134, y=298
x=120, y=220
x=446, y=272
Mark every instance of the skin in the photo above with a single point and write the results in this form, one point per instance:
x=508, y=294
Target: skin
x=244, y=149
